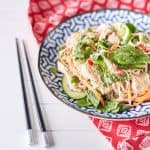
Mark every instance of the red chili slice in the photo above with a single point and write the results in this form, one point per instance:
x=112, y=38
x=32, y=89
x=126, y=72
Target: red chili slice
x=122, y=72
x=145, y=47
x=90, y=62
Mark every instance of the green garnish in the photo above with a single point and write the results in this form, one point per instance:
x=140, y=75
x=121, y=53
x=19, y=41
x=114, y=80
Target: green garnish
x=145, y=38
x=82, y=53
x=84, y=102
x=104, y=44
x=85, y=46
x=110, y=105
x=129, y=57
x=97, y=58
x=113, y=106
x=74, y=79
x=92, y=98
x=138, y=38
x=106, y=76
x=89, y=29
x=53, y=70
x=135, y=39
x=131, y=27
x=61, y=47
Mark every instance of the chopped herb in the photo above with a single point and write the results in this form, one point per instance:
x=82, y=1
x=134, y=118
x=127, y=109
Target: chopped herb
x=97, y=59
x=113, y=106
x=89, y=29
x=123, y=107
x=87, y=41
x=61, y=47
x=74, y=79
x=85, y=47
x=53, y=70
x=107, y=77
x=145, y=39
x=84, y=102
x=131, y=27
x=104, y=44
x=135, y=39
x=88, y=80
x=92, y=98
x=82, y=53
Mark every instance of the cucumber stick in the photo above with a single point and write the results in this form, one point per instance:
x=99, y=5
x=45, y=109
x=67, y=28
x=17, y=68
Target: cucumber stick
x=71, y=93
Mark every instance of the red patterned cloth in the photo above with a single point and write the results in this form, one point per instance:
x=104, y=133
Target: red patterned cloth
x=44, y=15
x=125, y=135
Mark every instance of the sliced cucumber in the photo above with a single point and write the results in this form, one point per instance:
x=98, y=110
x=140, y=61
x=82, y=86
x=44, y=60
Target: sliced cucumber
x=71, y=93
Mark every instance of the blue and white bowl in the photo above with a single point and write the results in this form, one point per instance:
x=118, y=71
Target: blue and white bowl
x=50, y=46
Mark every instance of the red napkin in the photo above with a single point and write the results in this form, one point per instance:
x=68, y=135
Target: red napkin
x=44, y=15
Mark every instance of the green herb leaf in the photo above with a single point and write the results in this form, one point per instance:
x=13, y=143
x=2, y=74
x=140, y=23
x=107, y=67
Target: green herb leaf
x=113, y=106
x=135, y=39
x=61, y=47
x=123, y=107
x=92, y=98
x=74, y=79
x=107, y=77
x=129, y=57
x=131, y=27
x=53, y=70
x=145, y=38
x=82, y=52
x=89, y=29
x=84, y=102
x=97, y=58
x=104, y=44
x=110, y=106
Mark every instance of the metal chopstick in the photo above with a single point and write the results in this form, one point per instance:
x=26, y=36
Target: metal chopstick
x=38, y=108
x=25, y=100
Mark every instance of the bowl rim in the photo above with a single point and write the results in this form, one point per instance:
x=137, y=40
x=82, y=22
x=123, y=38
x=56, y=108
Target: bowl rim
x=74, y=108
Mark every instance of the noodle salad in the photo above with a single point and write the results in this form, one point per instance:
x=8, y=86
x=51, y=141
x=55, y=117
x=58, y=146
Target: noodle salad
x=107, y=67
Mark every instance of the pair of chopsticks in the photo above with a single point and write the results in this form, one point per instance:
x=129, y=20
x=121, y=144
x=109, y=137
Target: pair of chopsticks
x=25, y=98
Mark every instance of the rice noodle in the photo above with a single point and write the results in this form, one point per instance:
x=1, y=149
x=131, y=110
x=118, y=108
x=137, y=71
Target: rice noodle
x=130, y=91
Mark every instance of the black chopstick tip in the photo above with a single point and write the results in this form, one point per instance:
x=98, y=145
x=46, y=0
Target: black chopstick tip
x=16, y=39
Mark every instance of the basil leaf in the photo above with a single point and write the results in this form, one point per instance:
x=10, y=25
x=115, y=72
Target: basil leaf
x=128, y=57
x=110, y=106
x=92, y=98
x=131, y=27
x=84, y=102
x=113, y=106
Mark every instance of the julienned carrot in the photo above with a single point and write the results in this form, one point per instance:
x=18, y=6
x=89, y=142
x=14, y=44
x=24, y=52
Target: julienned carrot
x=143, y=98
x=112, y=48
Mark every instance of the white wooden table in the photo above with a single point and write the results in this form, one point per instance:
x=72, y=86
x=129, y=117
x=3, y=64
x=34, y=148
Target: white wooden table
x=69, y=129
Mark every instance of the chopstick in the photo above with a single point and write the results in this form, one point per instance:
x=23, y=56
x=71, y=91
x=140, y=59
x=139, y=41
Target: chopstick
x=25, y=99
x=38, y=108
